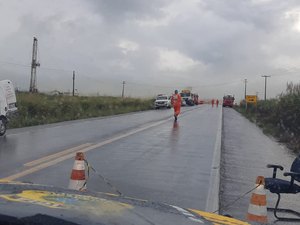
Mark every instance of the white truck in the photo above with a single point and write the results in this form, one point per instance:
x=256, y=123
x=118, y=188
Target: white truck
x=8, y=104
x=188, y=97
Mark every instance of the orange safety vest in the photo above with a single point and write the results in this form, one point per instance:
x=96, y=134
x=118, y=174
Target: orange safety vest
x=176, y=100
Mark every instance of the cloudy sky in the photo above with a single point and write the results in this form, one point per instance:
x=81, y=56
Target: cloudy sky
x=154, y=46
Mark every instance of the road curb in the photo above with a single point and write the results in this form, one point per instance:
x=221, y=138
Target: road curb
x=212, y=201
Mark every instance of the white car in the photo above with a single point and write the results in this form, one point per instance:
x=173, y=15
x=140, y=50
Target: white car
x=162, y=101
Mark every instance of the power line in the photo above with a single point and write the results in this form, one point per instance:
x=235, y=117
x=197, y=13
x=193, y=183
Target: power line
x=128, y=82
x=15, y=64
x=29, y=65
x=56, y=69
x=287, y=74
x=195, y=87
x=92, y=77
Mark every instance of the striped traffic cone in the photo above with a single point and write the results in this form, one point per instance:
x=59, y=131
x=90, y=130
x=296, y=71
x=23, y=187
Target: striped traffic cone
x=78, y=181
x=257, y=211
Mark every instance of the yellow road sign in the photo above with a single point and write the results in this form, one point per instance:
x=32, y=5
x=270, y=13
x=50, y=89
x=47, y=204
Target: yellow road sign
x=251, y=98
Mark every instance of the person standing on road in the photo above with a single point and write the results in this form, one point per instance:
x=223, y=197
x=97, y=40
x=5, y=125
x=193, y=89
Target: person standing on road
x=217, y=102
x=212, y=103
x=176, y=103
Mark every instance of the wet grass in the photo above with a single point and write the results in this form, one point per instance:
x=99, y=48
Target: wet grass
x=37, y=109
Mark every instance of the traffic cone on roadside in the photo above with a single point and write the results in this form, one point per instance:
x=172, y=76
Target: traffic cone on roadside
x=77, y=180
x=257, y=210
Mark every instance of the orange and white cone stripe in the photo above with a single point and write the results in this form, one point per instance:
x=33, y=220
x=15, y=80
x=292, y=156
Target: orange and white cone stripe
x=78, y=181
x=257, y=210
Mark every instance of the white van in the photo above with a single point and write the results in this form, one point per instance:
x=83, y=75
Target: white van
x=8, y=103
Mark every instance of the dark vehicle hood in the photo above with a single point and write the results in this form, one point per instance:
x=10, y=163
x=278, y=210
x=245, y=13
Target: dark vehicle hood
x=23, y=203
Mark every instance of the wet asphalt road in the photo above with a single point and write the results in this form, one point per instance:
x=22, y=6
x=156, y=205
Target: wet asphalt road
x=145, y=155
x=245, y=153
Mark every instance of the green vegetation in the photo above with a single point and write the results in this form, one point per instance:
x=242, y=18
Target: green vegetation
x=37, y=109
x=279, y=117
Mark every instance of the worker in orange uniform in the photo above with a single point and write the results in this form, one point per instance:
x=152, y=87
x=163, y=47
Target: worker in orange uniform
x=176, y=103
x=217, y=102
x=212, y=103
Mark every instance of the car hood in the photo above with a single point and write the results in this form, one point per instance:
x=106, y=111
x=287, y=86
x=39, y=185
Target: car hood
x=21, y=202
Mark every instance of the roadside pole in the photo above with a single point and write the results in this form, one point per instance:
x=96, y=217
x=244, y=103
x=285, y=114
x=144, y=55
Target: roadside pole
x=73, y=92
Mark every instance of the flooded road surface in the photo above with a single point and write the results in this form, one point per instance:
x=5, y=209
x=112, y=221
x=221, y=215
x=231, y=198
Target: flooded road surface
x=245, y=153
x=144, y=155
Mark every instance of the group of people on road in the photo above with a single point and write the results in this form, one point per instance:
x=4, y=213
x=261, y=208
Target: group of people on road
x=213, y=102
x=176, y=103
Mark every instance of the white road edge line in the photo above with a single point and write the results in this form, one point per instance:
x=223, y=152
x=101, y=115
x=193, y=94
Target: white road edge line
x=212, y=201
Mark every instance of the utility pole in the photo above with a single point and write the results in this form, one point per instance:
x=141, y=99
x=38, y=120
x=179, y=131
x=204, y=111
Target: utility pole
x=123, y=89
x=245, y=88
x=34, y=65
x=265, y=76
x=73, y=92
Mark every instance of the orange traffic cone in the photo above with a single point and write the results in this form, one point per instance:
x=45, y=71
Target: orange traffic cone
x=78, y=181
x=257, y=211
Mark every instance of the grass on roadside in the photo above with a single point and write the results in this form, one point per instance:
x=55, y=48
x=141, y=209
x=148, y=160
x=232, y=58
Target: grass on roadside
x=279, y=117
x=37, y=109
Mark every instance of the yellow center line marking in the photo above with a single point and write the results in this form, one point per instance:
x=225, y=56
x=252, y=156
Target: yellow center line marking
x=44, y=165
x=56, y=155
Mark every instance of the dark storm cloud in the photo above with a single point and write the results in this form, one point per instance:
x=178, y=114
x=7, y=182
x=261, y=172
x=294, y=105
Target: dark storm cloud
x=159, y=43
x=261, y=16
x=122, y=10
